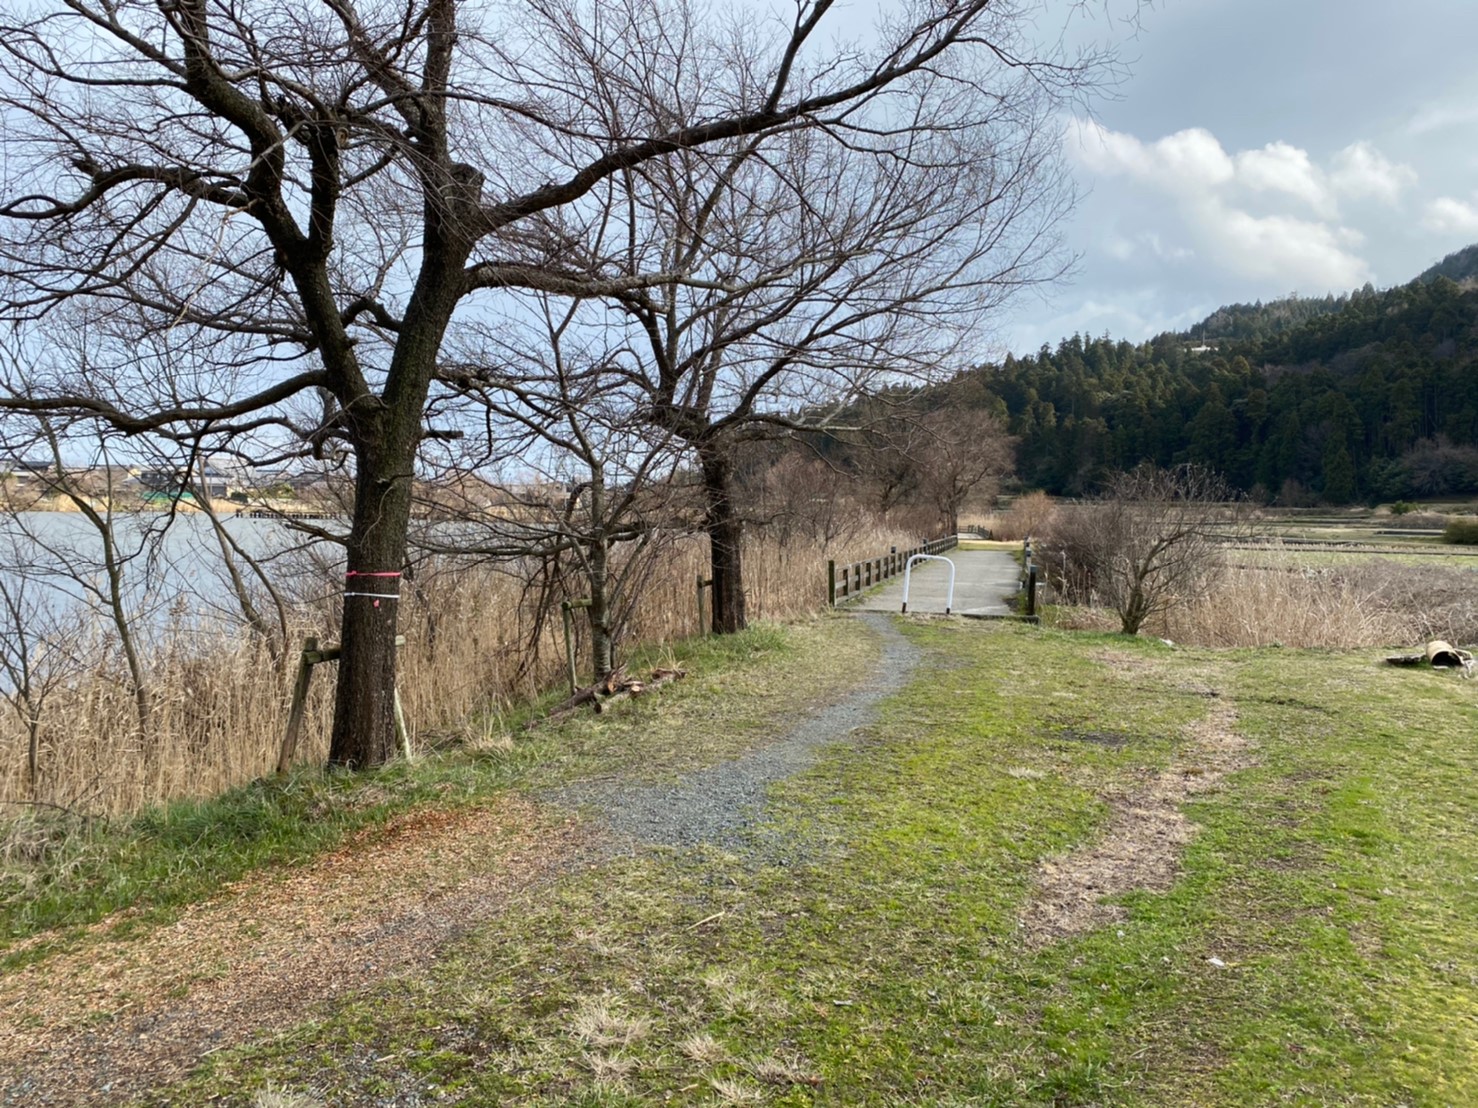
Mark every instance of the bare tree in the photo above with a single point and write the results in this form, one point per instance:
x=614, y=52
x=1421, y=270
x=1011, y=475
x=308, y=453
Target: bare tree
x=797, y=492
x=38, y=656
x=315, y=189
x=940, y=459
x=101, y=558
x=1153, y=539
x=817, y=266
x=248, y=580
x=547, y=394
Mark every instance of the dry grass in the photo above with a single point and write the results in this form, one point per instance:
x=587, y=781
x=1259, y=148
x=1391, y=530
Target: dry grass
x=271, y=1097
x=1374, y=602
x=703, y=1048
x=603, y=1025
x=475, y=647
x=1031, y=514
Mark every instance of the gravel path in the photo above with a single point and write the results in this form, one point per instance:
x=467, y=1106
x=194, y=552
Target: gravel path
x=719, y=804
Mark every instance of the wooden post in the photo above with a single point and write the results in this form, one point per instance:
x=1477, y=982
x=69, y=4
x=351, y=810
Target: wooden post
x=831, y=584
x=1031, y=592
x=564, y=609
x=702, y=613
x=299, y=706
x=311, y=657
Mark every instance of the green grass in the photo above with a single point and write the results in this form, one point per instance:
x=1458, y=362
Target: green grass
x=878, y=959
x=161, y=859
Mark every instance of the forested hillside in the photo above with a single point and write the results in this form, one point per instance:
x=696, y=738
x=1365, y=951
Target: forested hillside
x=1369, y=395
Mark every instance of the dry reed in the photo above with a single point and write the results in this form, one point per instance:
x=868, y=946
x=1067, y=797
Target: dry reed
x=477, y=644
x=1368, y=602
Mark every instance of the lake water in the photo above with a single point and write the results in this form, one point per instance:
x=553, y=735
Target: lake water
x=53, y=571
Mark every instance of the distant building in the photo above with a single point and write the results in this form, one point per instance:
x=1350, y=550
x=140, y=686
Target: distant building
x=177, y=484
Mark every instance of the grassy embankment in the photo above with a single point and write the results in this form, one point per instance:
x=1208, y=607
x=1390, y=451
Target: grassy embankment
x=60, y=874
x=1315, y=945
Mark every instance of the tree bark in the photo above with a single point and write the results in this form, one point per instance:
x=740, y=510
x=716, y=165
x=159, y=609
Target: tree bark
x=386, y=433
x=364, y=703
x=725, y=534
x=597, y=575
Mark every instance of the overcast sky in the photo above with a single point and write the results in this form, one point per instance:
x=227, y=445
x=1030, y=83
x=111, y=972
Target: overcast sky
x=1262, y=147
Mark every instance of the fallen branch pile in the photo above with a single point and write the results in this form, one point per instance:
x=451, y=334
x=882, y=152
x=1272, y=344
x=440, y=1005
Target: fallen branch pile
x=617, y=686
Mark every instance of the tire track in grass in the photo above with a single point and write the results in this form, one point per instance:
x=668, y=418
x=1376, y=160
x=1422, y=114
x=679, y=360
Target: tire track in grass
x=1146, y=831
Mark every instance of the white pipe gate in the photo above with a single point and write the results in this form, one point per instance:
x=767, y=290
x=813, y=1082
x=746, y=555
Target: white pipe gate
x=949, y=602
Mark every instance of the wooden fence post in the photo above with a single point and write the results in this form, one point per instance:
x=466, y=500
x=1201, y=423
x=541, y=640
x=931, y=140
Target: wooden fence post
x=402, y=734
x=310, y=657
x=568, y=618
x=299, y=706
x=831, y=584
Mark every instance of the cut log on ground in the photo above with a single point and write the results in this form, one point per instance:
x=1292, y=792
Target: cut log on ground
x=615, y=688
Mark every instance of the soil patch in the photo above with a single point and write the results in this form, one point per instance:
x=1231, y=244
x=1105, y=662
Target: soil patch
x=1145, y=835
x=1111, y=739
x=112, y=1017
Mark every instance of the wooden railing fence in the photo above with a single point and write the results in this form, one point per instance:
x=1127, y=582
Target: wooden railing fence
x=846, y=581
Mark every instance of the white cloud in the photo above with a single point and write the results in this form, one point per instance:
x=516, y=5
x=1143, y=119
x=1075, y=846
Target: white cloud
x=1360, y=170
x=1279, y=167
x=1440, y=116
x=1210, y=187
x=1186, y=160
x=1451, y=216
x=1299, y=253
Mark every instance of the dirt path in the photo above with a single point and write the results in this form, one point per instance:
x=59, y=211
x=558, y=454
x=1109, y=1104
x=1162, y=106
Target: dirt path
x=114, y=1017
x=118, y=1016
x=1147, y=830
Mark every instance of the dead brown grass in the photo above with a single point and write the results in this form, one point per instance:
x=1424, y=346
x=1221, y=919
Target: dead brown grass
x=1030, y=514
x=1371, y=603
x=475, y=648
x=92, y=1023
x=1283, y=601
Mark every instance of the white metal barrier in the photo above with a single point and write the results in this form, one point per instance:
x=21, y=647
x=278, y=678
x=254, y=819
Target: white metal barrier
x=949, y=602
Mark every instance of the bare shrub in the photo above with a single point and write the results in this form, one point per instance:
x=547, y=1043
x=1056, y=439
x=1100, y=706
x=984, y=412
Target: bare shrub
x=1152, y=541
x=1031, y=514
x=1462, y=530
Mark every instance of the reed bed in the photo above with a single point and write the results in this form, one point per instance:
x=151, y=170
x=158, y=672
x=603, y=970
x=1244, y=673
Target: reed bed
x=1374, y=602
x=479, y=642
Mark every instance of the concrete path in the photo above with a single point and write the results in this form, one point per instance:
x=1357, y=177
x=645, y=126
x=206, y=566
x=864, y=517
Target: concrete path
x=984, y=582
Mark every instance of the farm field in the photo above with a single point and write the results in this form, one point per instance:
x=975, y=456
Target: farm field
x=1274, y=554
x=1044, y=868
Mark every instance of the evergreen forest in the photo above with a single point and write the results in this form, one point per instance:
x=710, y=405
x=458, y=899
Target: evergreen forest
x=1368, y=396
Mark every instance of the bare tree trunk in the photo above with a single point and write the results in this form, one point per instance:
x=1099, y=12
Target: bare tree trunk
x=602, y=648
x=364, y=712
x=143, y=701
x=598, y=577
x=725, y=534
x=385, y=431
